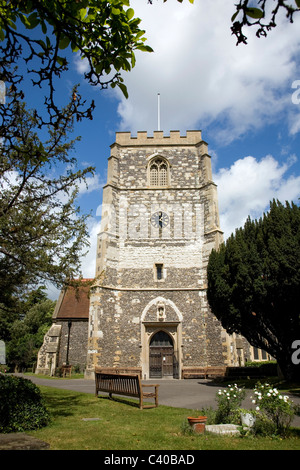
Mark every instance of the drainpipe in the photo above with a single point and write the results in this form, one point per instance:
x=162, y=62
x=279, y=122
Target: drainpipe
x=68, y=344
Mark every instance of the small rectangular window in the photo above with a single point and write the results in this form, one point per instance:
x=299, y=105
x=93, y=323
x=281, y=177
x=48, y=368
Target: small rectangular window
x=255, y=354
x=263, y=355
x=159, y=271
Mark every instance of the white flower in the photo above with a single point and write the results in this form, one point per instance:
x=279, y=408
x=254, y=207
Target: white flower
x=253, y=401
x=257, y=408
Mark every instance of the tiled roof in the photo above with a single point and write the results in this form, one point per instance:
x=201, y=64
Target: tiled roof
x=73, y=303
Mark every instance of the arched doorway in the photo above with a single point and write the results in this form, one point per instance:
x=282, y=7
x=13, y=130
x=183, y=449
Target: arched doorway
x=162, y=361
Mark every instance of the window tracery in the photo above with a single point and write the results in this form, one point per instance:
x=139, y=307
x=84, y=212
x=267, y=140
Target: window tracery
x=158, y=172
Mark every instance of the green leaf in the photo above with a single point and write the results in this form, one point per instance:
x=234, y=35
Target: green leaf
x=130, y=13
x=44, y=27
x=64, y=42
x=115, y=11
x=33, y=21
x=99, y=68
x=234, y=16
x=140, y=34
x=24, y=20
x=133, y=61
x=297, y=3
x=74, y=47
x=144, y=48
x=42, y=44
x=83, y=13
x=255, y=13
x=123, y=89
x=61, y=60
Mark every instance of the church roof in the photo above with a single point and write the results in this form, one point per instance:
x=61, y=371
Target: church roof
x=73, y=303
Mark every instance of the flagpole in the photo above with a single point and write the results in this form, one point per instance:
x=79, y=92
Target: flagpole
x=158, y=111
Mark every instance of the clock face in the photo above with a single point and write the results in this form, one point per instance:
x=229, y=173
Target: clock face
x=159, y=219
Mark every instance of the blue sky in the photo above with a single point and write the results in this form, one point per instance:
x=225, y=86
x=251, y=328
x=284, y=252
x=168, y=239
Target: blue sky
x=242, y=98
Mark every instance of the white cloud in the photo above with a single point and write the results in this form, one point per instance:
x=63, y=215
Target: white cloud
x=202, y=75
x=247, y=187
x=9, y=179
x=91, y=183
x=81, y=64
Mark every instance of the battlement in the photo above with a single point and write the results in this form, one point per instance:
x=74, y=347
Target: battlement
x=158, y=138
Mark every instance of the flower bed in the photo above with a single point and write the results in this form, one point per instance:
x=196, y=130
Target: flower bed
x=273, y=408
x=272, y=415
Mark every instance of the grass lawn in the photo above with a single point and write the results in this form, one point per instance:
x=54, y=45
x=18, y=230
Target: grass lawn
x=121, y=425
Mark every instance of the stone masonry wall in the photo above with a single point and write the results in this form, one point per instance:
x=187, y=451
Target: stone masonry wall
x=77, y=344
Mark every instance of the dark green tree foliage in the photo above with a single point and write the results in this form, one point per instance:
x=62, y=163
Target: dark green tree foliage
x=254, y=283
x=23, y=328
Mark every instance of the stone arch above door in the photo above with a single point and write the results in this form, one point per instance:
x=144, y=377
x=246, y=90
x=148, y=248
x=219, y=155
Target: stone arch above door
x=161, y=310
x=160, y=314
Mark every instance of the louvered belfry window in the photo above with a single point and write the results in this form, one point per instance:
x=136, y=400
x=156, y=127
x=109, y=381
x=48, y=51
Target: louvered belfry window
x=158, y=172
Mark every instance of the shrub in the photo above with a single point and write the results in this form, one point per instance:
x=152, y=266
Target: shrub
x=229, y=401
x=273, y=406
x=265, y=368
x=21, y=405
x=263, y=426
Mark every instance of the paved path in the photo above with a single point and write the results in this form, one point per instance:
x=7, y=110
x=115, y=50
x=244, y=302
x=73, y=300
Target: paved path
x=190, y=393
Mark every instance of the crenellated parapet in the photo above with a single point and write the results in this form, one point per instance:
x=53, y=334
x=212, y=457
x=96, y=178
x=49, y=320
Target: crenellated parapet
x=158, y=138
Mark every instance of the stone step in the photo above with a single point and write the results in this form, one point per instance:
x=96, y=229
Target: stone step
x=222, y=428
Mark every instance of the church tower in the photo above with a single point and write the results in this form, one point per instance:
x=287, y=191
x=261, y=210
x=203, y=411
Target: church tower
x=160, y=221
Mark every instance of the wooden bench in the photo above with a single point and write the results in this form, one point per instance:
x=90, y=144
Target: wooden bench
x=203, y=372
x=125, y=384
x=66, y=369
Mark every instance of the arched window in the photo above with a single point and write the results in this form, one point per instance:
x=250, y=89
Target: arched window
x=158, y=172
x=161, y=339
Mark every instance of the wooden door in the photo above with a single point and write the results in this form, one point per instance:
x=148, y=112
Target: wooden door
x=161, y=357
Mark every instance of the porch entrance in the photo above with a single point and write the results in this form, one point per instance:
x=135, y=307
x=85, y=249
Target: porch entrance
x=162, y=360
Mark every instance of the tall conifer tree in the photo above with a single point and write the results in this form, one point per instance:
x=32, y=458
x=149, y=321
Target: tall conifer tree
x=254, y=283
